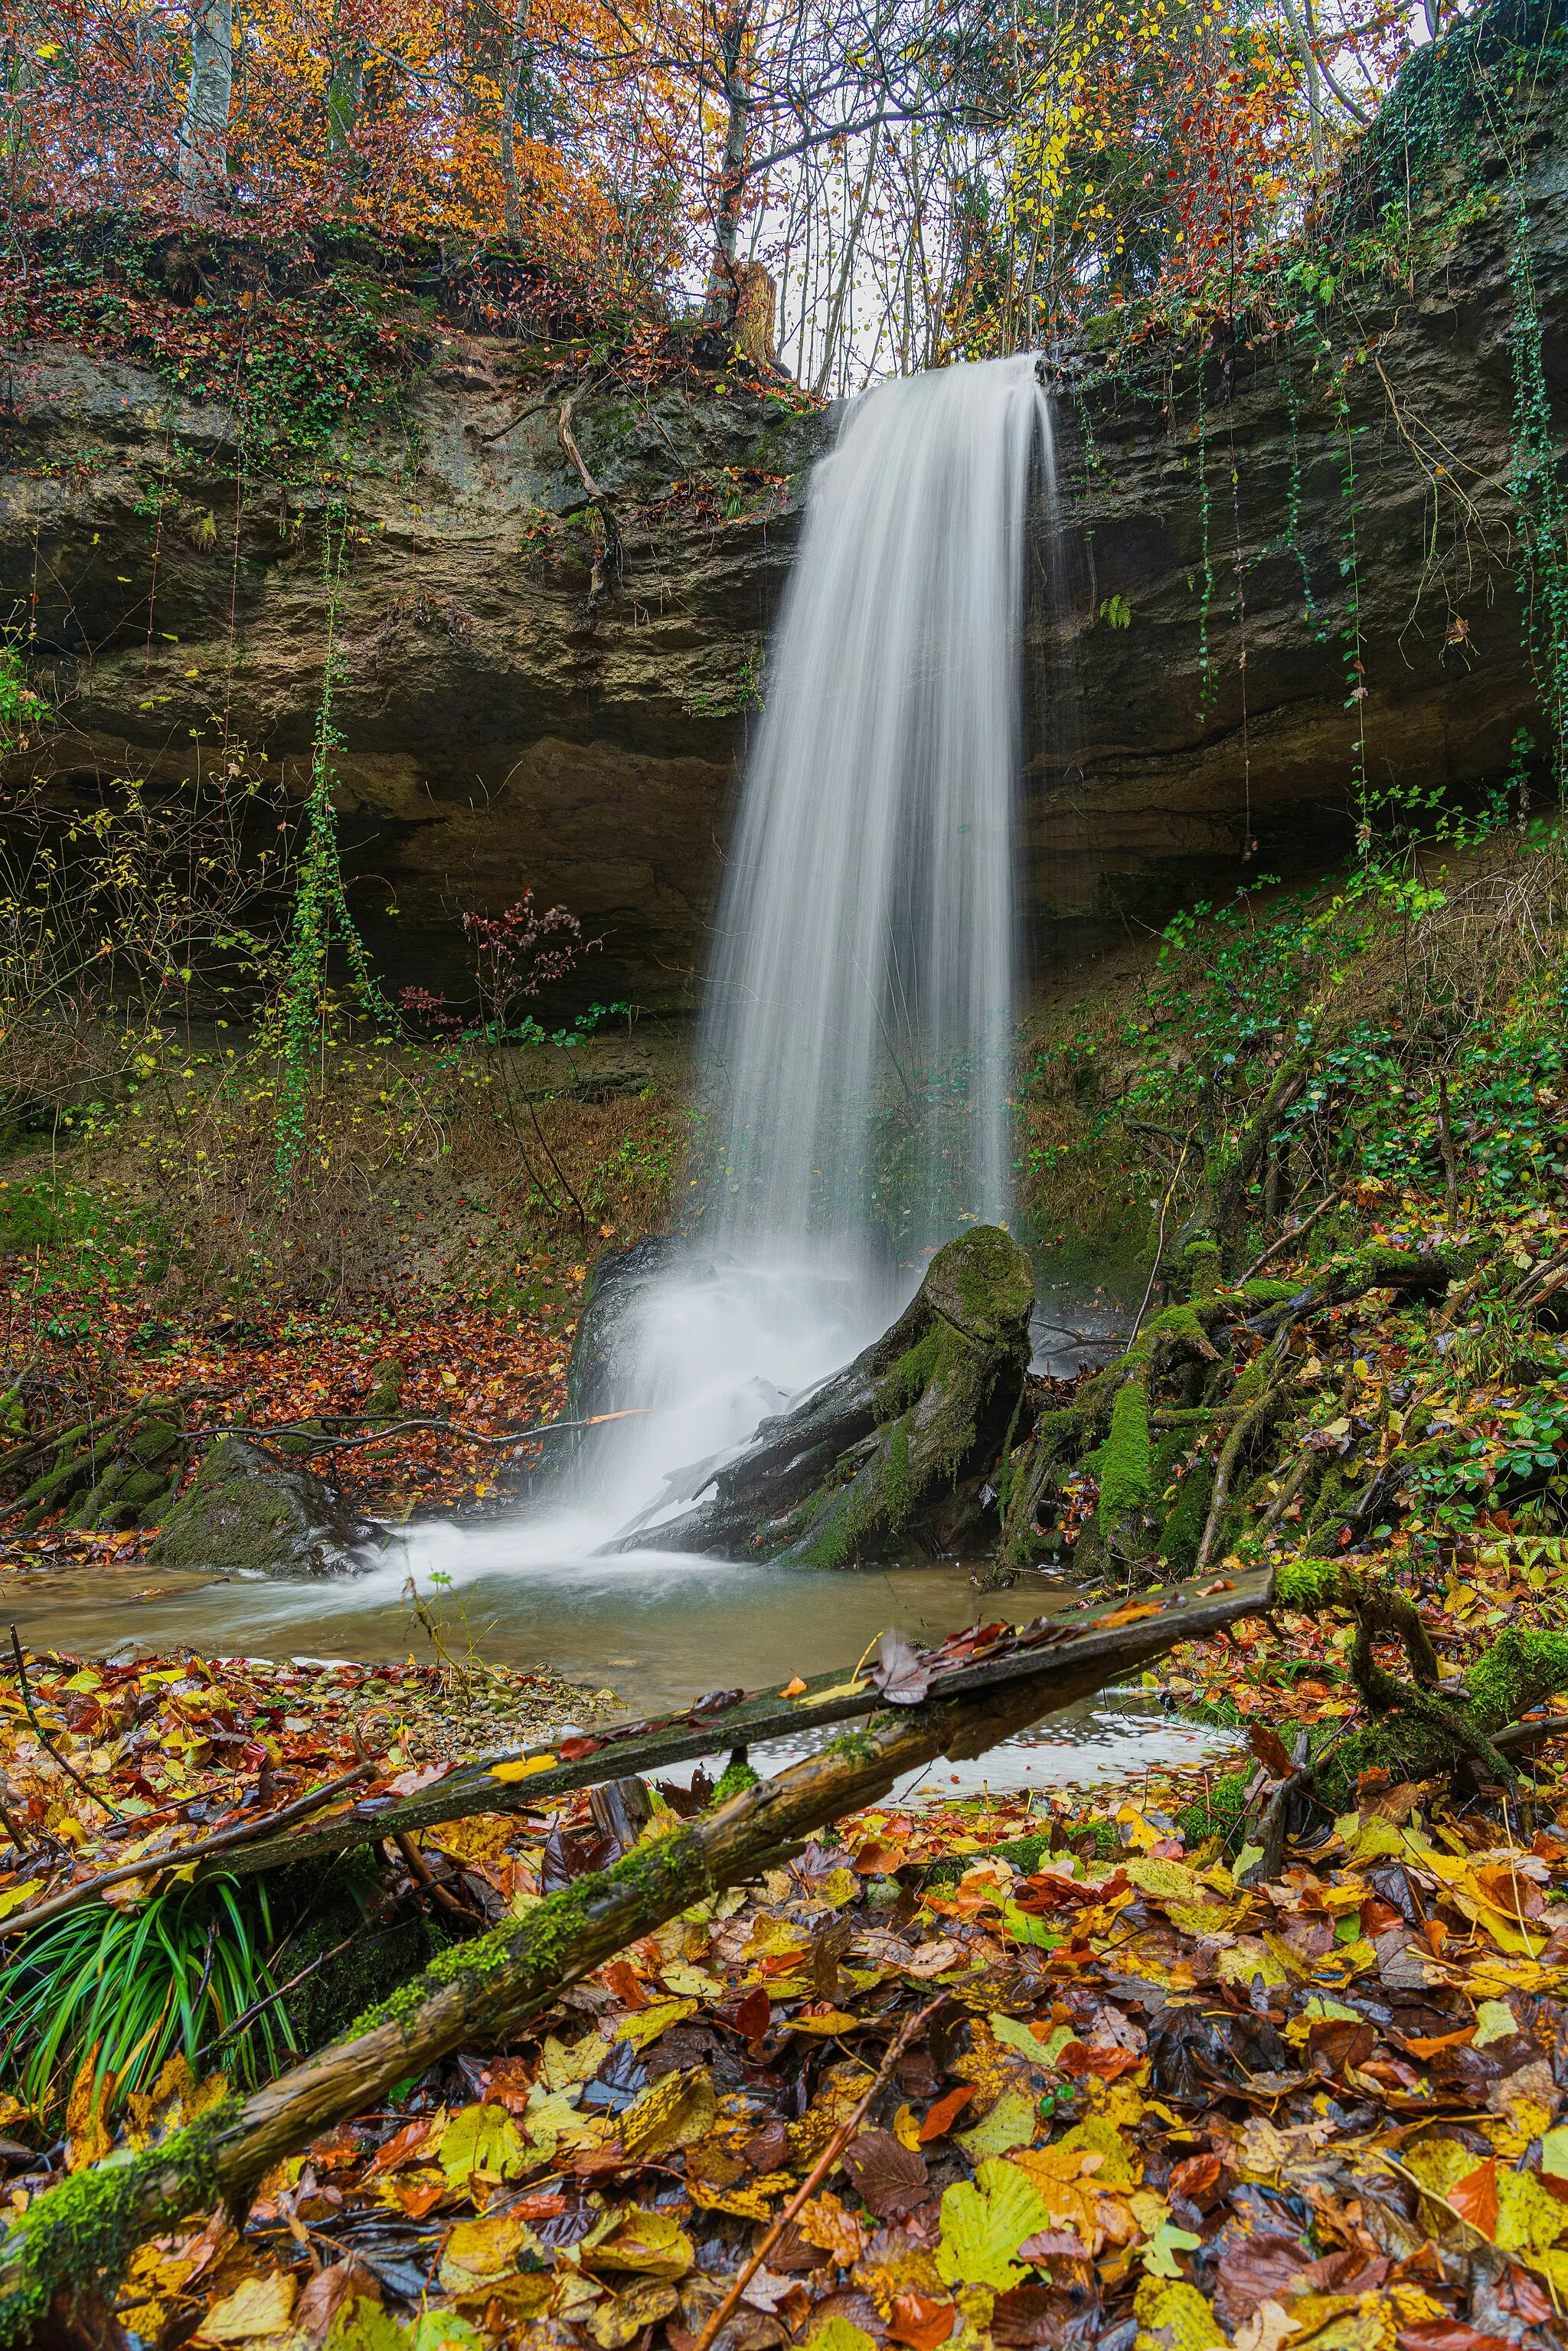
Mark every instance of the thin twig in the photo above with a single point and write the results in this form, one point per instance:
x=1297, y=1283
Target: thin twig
x=1294, y=1234
x=818, y=2172
x=178, y=1855
x=45, y=1741
x=249, y=2015
x=321, y=1443
x=1160, y=1243
x=419, y=1869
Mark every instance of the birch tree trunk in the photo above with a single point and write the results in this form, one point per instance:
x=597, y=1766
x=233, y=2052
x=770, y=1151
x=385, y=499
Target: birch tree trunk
x=204, y=142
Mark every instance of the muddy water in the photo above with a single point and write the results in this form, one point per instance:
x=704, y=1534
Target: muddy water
x=656, y=1629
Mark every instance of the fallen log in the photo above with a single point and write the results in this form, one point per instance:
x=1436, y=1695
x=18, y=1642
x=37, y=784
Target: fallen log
x=1086, y=1651
x=488, y=1989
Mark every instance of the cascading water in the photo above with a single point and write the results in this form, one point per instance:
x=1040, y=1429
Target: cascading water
x=859, y=1005
x=861, y=998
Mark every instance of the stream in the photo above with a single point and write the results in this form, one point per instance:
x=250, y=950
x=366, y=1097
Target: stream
x=656, y=1629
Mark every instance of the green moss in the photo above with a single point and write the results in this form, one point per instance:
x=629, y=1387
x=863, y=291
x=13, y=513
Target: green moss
x=81, y=2234
x=1521, y=1670
x=993, y=1278
x=853, y=1747
x=537, y=1952
x=1308, y=1585
x=1126, y=1461
x=1201, y=1258
x=734, y=1781
x=910, y=1377
x=1175, y=1322
x=899, y=1494
x=1186, y=1518
x=1216, y=1813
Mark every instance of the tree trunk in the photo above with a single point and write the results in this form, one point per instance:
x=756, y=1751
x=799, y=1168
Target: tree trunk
x=204, y=144
x=517, y=66
x=724, y=282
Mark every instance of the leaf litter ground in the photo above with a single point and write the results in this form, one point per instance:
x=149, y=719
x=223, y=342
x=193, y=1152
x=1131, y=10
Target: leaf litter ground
x=1153, y=2108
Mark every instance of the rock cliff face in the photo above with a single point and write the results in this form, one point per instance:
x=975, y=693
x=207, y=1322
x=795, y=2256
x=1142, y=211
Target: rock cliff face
x=1358, y=510
x=497, y=733
x=500, y=732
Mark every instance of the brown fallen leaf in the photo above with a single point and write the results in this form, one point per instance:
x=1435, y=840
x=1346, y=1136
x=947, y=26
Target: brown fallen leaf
x=1474, y=2198
x=922, y=2322
x=888, y=2177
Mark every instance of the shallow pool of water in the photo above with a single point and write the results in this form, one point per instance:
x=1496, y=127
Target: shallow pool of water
x=657, y=1629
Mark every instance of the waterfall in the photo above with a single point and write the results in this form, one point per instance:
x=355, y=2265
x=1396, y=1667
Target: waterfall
x=858, y=1025
x=861, y=999
x=859, y=1019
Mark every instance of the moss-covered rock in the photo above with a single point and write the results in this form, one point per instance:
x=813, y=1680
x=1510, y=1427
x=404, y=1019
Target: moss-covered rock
x=245, y=1510
x=856, y=1470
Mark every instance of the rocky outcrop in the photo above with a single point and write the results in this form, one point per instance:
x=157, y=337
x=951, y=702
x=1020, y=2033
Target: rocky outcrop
x=246, y=1512
x=497, y=733
x=889, y=1457
x=1345, y=491
x=1201, y=596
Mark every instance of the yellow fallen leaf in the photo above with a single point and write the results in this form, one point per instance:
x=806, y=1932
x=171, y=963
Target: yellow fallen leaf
x=1067, y=2186
x=643, y=2026
x=257, y=2306
x=474, y=2254
x=826, y=2224
x=524, y=1769
x=1018, y=2036
x=984, y=2225
x=481, y=2138
x=748, y=2203
x=1167, y=1881
x=1529, y=2217
x=1011, y=2124
x=675, y=2111
x=1099, y=2134
x=619, y=2319
x=1174, y=2316
x=653, y=2244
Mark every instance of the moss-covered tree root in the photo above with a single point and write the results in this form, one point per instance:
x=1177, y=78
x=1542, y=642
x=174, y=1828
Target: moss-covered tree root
x=1417, y=1728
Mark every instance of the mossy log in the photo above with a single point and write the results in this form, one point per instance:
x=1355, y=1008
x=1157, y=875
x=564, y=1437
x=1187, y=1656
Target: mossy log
x=523, y=1779
x=1421, y=1729
x=82, y=2233
x=853, y=1471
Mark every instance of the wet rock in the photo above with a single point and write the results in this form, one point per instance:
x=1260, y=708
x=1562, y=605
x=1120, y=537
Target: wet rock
x=596, y=1375
x=246, y=1512
x=890, y=1455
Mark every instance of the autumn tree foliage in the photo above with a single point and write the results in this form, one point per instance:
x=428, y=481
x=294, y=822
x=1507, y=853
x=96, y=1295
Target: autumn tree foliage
x=921, y=178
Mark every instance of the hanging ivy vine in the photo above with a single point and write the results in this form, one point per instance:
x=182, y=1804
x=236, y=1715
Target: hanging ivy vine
x=321, y=913
x=1540, y=508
